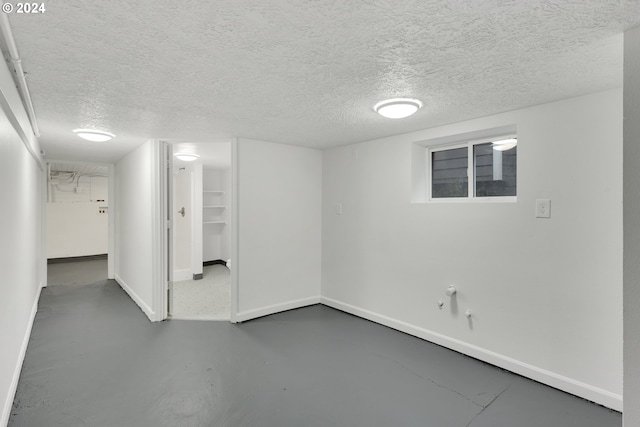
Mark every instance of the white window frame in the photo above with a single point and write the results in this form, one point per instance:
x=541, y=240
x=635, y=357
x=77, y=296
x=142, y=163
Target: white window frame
x=471, y=175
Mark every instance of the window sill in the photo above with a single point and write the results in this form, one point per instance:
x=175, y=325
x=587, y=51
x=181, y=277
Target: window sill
x=505, y=199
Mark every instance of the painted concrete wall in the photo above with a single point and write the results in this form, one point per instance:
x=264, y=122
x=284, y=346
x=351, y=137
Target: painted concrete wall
x=76, y=229
x=21, y=251
x=75, y=226
x=20, y=275
x=82, y=189
x=631, y=414
x=546, y=294
x=279, y=191
x=134, y=208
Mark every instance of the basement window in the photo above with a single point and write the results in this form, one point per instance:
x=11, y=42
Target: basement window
x=484, y=169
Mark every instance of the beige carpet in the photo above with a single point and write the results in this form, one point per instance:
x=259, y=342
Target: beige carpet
x=205, y=299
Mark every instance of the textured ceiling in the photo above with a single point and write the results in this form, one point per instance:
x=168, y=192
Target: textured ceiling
x=304, y=72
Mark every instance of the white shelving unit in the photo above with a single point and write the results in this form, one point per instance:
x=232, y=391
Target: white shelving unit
x=213, y=207
x=215, y=215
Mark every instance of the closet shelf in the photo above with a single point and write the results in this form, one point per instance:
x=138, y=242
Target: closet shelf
x=214, y=206
x=213, y=191
x=214, y=222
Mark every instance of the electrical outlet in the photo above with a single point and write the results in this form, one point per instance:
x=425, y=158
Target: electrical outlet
x=543, y=208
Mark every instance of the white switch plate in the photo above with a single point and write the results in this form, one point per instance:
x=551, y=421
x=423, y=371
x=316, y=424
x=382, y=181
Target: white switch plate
x=338, y=208
x=543, y=208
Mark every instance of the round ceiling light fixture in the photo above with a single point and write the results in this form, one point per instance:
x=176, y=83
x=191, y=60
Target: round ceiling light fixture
x=94, y=135
x=397, y=108
x=504, y=144
x=186, y=157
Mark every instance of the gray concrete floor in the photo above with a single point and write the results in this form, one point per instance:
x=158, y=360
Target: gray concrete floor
x=95, y=360
x=76, y=272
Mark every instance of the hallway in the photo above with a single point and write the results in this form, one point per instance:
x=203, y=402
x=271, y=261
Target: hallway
x=95, y=360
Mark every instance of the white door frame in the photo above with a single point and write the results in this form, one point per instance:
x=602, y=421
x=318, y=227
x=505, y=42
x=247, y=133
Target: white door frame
x=235, y=225
x=111, y=259
x=196, y=220
x=167, y=155
x=161, y=223
x=161, y=226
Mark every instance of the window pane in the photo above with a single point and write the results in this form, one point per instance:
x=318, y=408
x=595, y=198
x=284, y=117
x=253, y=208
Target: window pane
x=495, y=171
x=449, y=173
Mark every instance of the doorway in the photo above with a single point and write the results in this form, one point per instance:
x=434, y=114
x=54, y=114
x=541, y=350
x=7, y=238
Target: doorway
x=201, y=233
x=79, y=229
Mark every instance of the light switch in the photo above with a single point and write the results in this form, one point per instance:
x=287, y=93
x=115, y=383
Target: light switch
x=338, y=208
x=543, y=208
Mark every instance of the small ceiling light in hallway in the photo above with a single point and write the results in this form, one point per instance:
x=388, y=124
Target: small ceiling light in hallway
x=397, y=108
x=94, y=135
x=186, y=157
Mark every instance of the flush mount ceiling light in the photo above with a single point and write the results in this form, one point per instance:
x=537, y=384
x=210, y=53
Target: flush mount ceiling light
x=186, y=157
x=397, y=108
x=94, y=135
x=504, y=144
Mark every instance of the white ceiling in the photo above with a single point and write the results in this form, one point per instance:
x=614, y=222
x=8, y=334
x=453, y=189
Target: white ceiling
x=304, y=72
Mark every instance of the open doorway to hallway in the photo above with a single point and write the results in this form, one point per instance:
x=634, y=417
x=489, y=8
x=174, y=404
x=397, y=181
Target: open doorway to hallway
x=201, y=239
x=77, y=222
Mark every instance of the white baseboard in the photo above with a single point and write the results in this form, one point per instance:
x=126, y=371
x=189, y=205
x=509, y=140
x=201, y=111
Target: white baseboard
x=180, y=275
x=6, y=411
x=276, y=308
x=143, y=306
x=586, y=391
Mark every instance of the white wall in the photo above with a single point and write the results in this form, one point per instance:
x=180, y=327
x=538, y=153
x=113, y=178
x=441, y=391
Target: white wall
x=21, y=251
x=279, y=208
x=134, y=210
x=75, y=224
x=76, y=229
x=546, y=294
x=82, y=189
x=632, y=228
